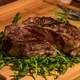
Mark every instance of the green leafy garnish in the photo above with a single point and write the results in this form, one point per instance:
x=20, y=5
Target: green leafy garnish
x=63, y=19
x=1, y=36
x=69, y=13
x=38, y=65
x=16, y=19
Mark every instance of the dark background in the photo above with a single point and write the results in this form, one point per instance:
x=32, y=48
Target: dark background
x=2, y=2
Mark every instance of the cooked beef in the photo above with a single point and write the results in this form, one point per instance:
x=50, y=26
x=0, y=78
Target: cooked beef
x=68, y=35
x=40, y=36
x=24, y=40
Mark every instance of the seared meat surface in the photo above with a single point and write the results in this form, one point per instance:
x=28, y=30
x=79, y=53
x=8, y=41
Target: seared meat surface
x=40, y=36
x=24, y=40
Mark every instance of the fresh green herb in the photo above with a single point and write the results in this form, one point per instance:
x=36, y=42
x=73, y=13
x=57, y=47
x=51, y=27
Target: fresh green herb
x=16, y=19
x=63, y=19
x=69, y=13
x=1, y=60
x=1, y=36
x=38, y=65
x=74, y=17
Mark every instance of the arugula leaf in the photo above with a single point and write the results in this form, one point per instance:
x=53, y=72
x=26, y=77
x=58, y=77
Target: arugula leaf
x=16, y=18
x=70, y=13
x=63, y=19
x=38, y=65
x=2, y=63
x=1, y=35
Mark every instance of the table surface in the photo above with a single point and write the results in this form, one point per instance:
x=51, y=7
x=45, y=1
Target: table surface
x=29, y=8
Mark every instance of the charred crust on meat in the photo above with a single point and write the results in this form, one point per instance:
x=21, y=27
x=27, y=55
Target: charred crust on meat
x=36, y=36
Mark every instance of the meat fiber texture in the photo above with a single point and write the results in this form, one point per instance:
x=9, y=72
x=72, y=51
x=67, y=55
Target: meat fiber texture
x=41, y=36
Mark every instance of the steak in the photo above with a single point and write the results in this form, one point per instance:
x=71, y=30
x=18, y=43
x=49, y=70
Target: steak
x=41, y=36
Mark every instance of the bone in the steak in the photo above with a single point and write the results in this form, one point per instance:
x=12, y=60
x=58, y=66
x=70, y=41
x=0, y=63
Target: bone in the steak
x=40, y=36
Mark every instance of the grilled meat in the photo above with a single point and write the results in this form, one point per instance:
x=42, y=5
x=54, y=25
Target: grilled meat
x=40, y=36
x=68, y=35
x=24, y=40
